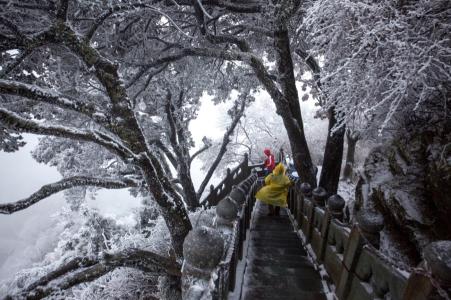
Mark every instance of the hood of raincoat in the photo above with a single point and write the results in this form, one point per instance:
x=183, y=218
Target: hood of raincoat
x=279, y=169
x=267, y=151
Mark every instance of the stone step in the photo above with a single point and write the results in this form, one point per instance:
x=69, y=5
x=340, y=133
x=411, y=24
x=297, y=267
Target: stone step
x=274, y=238
x=298, y=263
x=308, y=280
x=274, y=256
x=283, y=271
x=280, y=251
x=267, y=293
x=274, y=234
x=272, y=227
x=272, y=219
x=275, y=243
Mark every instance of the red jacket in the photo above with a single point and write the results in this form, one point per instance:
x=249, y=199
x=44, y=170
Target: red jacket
x=270, y=162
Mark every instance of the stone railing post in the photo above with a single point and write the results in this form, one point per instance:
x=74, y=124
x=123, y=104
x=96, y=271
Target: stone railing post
x=437, y=262
x=319, y=196
x=202, y=251
x=299, y=201
x=371, y=224
x=226, y=212
x=307, y=210
x=335, y=205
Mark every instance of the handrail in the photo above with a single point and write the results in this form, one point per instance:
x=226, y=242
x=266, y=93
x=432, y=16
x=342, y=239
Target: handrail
x=233, y=215
x=350, y=254
x=233, y=177
x=237, y=175
x=226, y=271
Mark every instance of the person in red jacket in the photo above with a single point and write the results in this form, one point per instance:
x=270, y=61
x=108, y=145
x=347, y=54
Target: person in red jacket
x=269, y=163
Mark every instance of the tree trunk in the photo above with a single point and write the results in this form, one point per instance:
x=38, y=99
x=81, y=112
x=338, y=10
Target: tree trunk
x=187, y=183
x=171, y=206
x=333, y=156
x=293, y=118
x=349, y=166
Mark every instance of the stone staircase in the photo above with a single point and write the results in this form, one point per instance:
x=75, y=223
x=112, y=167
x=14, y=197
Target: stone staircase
x=277, y=265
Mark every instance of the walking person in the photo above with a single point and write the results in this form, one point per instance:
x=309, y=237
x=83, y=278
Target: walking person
x=275, y=191
x=269, y=162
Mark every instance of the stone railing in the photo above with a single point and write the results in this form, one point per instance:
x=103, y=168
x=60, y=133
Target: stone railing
x=240, y=173
x=211, y=254
x=234, y=177
x=350, y=254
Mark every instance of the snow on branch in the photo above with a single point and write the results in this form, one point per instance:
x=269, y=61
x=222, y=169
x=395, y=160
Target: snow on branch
x=239, y=112
x=62, y=10
x=232, y=6
x=17, y=61
x=14, y=121
x=80, y=270
x=36, y=93
x=64, y=184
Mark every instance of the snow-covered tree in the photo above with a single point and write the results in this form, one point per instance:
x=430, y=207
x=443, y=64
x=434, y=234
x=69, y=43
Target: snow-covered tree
x=380, y=58
x=111, y=87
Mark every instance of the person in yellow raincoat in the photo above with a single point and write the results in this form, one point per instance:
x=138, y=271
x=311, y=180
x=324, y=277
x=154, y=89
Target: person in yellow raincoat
x=275, y=191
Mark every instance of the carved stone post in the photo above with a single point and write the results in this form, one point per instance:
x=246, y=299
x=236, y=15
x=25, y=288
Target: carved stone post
x=306, y=189
x=238, y=194
x=307, y=210
x=335, y=205
x=202, y=250
x=226, y=212
x=319, y=196
x=371, y=224
x=437, y=260
x=437, y=256
x=298, y=202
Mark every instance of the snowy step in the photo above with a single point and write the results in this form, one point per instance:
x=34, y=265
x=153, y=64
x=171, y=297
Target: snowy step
x=273, y=227
x=301, y=262
x=287, y=235
x=283, y=271
x=277, y=257
x=272, y=219
x=309, y=280
x=277, y=250
x=268, y=293
x=275, y=243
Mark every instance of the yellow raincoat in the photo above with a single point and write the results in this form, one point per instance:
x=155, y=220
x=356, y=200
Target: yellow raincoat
x=276, y=186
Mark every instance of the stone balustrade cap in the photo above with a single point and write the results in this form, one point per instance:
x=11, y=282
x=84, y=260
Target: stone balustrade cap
x=438, y=257
x=319, y=192
x=306, y=189
x=336, y=203
x=370, y=220
x=227, y=209
x=203, y=248
x=238, y=194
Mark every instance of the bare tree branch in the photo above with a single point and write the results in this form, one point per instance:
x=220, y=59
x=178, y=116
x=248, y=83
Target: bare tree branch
x=64, y=184
x=223, y=149
x=36, y=93
x=232, y=6
x=17, y=61
x=195, y=154
x=13, y=27
x=16, y=122
x=92, y=269
x=61, y=14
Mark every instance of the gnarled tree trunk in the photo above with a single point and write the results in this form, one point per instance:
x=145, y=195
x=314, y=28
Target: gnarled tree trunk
x=351, y=140
x=333, y=156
